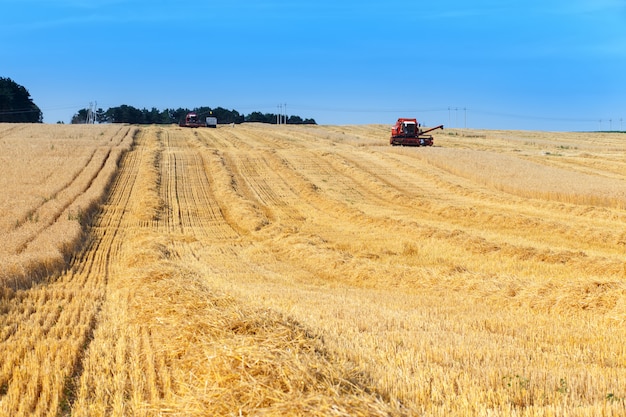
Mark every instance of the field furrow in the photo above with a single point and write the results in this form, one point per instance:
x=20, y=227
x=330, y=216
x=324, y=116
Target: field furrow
x=200, y=210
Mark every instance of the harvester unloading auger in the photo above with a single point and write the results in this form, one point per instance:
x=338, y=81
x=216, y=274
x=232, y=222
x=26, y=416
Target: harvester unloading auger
x=407, y=132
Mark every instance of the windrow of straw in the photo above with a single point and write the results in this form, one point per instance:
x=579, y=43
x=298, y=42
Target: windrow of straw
x=53, y=202
x=531, y=179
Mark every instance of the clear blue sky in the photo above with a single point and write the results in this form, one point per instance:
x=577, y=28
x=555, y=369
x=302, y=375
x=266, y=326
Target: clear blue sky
x=522, y=64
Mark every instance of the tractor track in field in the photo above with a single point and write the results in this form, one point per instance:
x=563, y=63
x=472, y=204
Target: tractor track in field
x=93, y=267
x=191, y=206
x=9, y=129
x=266, y=186
x=223, y=138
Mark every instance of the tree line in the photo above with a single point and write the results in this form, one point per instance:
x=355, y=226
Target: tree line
x=16, y=105
x=133, y=115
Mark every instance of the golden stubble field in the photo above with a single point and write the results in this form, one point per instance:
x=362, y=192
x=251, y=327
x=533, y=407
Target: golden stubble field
x=311, y=270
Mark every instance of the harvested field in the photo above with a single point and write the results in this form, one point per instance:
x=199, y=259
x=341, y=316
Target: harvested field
x=313, y=270
x=53, y=178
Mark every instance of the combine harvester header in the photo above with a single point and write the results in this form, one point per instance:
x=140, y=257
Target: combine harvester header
x=407, y=132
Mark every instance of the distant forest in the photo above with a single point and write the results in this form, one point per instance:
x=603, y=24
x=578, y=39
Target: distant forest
x=130, y=114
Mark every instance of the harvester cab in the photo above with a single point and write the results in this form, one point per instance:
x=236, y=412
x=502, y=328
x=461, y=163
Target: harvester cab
x=408, y=132
x=192, y=120
x=408, y=127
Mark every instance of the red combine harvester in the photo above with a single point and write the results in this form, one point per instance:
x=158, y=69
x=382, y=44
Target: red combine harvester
x=407, y=132
x=191, y=120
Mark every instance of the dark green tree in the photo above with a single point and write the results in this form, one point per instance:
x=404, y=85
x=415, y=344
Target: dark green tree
x=101, y=116
x=80, y=117
x=16, y=105
x=257, y=116
x=126, y=114
x=177, y=115
x=227, y=116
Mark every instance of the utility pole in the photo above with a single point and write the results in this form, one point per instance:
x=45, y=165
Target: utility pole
x=91, y=113
x=278, y=114
x=285, y=113
x=449, y=119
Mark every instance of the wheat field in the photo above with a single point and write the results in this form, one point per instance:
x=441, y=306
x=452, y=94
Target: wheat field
x=312, y=270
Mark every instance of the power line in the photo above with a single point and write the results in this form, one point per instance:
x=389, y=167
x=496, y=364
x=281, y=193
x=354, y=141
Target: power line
x=449, y=110
x=19, y=111
x=533, y=117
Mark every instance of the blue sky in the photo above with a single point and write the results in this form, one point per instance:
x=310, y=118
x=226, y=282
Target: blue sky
x=532, y=64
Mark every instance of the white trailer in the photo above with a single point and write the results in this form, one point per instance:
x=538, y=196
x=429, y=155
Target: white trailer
x=211, y=121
